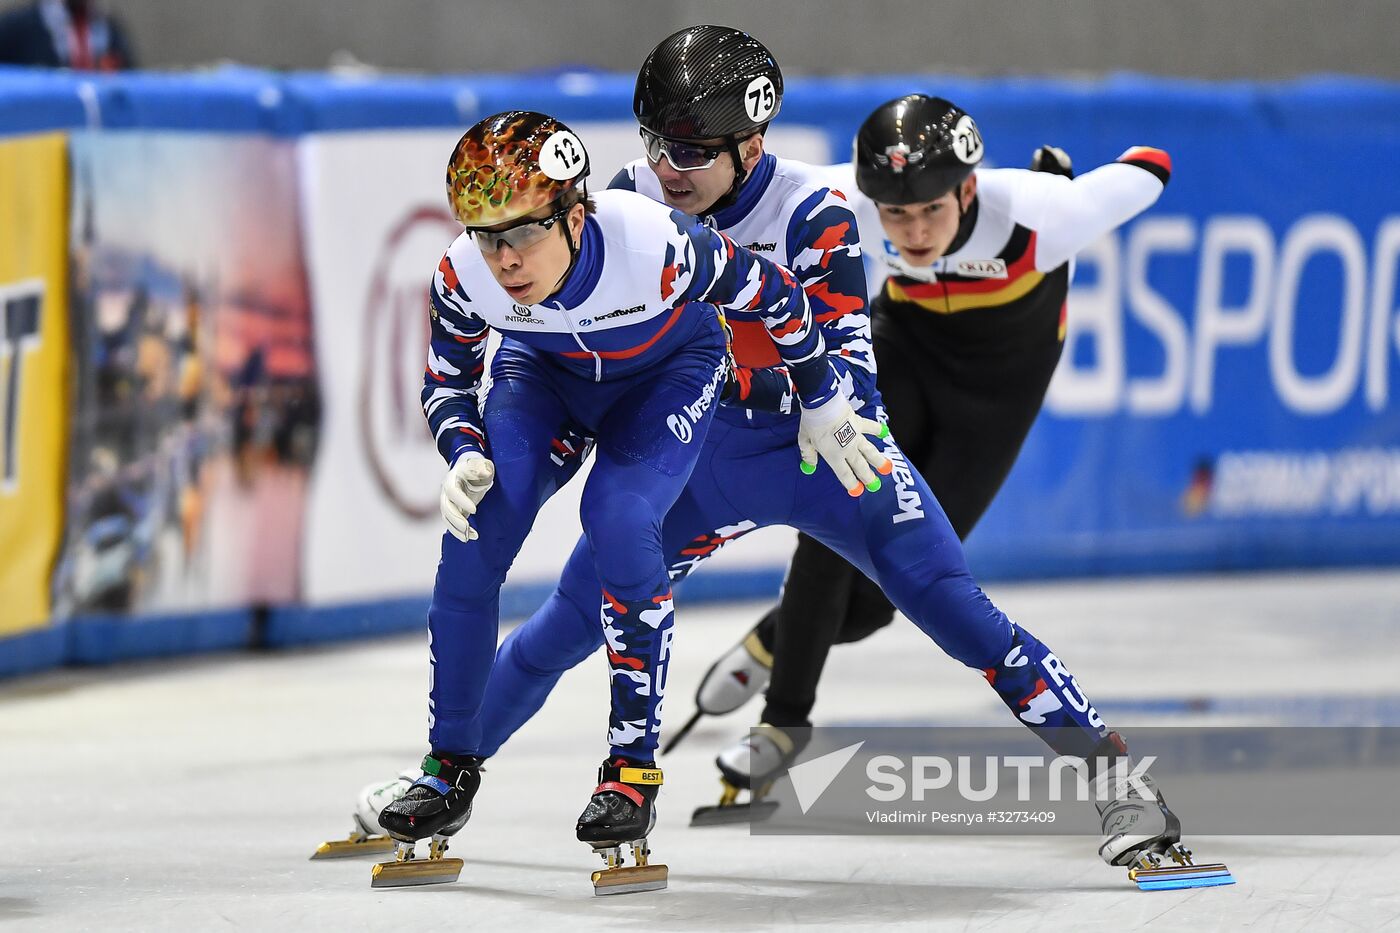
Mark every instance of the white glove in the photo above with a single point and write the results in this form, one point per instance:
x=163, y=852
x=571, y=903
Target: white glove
x=467, y=481
x=836, y=433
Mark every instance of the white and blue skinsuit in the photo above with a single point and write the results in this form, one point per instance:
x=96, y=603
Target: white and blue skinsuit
x=747, y=477
x=629, y=352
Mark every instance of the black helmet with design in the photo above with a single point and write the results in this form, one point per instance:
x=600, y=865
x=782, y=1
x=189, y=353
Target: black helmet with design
x=706, y=82
x=914, y=149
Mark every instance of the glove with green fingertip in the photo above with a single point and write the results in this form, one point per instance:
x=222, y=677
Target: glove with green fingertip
x=833, y=432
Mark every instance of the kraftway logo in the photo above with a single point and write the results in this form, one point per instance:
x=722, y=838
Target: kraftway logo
x=620, y=312
x=680, y=422
x=888, y=782
x=906, y=494
x=757, y=247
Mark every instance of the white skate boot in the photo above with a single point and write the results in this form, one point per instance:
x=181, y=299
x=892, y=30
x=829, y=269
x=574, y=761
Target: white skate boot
x=1139, y=830
x=753, y=763
x=738, y=676
x=366, y=837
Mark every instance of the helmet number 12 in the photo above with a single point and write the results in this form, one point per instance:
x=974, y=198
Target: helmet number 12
x=562, y=156
x=760, y=99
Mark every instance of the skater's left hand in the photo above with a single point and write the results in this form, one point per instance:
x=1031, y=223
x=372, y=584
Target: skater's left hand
x=836, y=434
x=1053, y=161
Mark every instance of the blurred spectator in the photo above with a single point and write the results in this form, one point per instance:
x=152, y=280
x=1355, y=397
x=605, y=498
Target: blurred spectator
x=76, y=34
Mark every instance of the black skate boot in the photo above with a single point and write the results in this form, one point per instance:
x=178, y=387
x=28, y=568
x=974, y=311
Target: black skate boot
x=1139, y=832
x=751, y=764
x=437, y=804
x=623, y=810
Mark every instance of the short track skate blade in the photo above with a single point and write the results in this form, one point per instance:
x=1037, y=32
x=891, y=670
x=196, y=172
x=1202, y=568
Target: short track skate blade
x=629, y=880
x=734, y=813
x=355, y=845
x=415, y=872
x=1180, y=876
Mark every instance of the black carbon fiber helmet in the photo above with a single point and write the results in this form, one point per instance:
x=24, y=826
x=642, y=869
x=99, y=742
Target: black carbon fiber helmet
x=706, y=82
x=914, y=149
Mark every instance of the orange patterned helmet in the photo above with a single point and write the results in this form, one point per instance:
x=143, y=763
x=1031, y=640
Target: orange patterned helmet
x=512, y=164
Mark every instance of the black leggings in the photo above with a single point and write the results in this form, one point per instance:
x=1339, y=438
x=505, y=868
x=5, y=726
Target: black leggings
x=961, y=418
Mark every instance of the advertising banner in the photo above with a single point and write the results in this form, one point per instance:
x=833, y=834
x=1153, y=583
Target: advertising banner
x=1227, y=397
x=196, y=408
x=33, y=374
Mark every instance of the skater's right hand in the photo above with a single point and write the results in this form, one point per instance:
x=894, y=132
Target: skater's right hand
x=469, y=479
x=834, y=432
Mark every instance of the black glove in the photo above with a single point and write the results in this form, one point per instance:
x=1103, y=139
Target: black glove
x=1052, y=159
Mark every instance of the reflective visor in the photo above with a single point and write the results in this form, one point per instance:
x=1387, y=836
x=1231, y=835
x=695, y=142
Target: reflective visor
x=683, y=156
x=521, y=236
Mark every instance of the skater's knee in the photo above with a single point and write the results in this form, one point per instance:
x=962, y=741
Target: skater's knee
x=468, y=592
x=557, y=637
x=624, y=532
x=959, y=617
x=617, y=514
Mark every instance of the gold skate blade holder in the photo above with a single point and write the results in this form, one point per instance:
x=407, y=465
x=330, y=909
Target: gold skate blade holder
x=406, y=871
x=1149, y=874
x=356, y=844
x=629, y=880
x=729, y=811
x=619, y=879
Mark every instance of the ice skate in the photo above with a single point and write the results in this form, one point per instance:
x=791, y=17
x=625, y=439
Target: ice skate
x=751, y=764
x=738, y=676
x=1141, y=833
x=623, y=811
x=366, y=838
x=438, y=804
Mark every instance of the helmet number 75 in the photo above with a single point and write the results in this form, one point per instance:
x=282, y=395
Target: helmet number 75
x=760, y=99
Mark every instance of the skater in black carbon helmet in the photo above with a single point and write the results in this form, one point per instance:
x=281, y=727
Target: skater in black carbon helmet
x=968, y=328
x=705, y=95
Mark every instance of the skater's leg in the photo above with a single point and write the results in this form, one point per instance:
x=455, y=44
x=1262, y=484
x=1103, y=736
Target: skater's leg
x=906, y=544
x=523, y=416
x=811, y=613
x=640, y=470
x=532, y=658
x=567, y=628
x=825, y=601
x=868, y=611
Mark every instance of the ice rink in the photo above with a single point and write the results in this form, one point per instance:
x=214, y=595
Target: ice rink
x=188, y=794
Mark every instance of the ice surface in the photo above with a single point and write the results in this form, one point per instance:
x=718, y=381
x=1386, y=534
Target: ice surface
x=188, y=794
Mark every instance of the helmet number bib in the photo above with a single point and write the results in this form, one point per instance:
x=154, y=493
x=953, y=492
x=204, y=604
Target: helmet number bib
x=967, y=142
x=561, y=156
x=760, y=99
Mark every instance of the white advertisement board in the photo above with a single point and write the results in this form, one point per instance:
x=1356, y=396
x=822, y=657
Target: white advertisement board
x=375, y=226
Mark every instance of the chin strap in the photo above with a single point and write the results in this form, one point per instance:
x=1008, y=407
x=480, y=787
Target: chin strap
x=740, y=176
x=573, y=255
